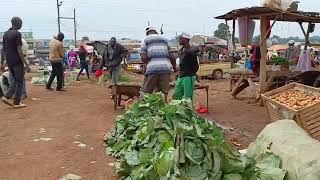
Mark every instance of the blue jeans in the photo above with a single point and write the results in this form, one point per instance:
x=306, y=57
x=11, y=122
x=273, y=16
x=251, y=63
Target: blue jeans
x=24, y=89
x=114, y=71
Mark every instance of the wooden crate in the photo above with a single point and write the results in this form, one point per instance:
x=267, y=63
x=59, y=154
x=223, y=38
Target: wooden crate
x=307, y=118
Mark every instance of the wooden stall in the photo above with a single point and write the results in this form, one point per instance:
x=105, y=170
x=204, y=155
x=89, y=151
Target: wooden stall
x=275, y=15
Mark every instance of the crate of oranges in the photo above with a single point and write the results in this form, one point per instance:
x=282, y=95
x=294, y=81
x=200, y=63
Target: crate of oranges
x=297, y=102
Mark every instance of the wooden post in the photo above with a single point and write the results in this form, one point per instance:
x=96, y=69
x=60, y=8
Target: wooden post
x=306, y=43
x=303, y=31
x=263, y=60
x=233, y=41
x=234, y=47
x=269, y=30
x=247, y=32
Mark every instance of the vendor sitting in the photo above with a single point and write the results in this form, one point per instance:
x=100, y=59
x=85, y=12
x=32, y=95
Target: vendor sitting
x=292, y=53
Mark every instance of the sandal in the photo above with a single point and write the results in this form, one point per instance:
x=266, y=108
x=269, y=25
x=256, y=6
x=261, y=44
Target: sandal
x=6, y=101
x=19, y=106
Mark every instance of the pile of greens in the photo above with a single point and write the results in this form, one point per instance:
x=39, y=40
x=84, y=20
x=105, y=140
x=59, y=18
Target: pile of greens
x=279, y=61
x=158, y=142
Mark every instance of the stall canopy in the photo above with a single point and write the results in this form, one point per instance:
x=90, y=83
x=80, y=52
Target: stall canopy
x=208, y=40
x=273, y=14
x=278, y=47
x=263, y=14
x=216, y=41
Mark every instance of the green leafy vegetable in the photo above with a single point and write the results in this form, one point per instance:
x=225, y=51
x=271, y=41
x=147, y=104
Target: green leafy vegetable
x=279, y=61
x=170, y=142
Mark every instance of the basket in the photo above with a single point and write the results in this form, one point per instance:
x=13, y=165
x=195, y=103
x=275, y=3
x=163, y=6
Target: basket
x=307, y=118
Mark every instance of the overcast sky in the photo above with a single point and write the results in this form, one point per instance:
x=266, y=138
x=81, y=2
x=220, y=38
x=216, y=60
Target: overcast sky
x=101, y=19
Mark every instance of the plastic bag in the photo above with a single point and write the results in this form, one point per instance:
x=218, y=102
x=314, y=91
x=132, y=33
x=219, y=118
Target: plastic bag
x=246, y=30
x=98, y=73
x=304, y=63
x=249, y=64
x=295, y=147
x=277, y=4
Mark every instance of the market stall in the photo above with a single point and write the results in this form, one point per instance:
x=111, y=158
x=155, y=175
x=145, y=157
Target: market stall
x=266, y=15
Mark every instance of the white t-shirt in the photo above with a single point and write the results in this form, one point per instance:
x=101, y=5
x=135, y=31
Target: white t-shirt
x=25, y=47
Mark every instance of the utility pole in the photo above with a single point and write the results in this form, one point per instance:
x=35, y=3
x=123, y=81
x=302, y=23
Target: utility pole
x=75, y=27
x=58, y=9
x=74, y=21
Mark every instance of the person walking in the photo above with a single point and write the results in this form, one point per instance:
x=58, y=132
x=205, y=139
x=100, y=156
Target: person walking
x=112, y=58
x=56, y=57
x=72, y=56
x=83, y=62
x=12, y=52
x=188, y=66
x=155, y=53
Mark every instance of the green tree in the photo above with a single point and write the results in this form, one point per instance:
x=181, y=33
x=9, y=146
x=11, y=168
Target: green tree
x=222, y=31
x=256, y=40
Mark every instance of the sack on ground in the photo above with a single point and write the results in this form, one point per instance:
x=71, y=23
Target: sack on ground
x=298, y=151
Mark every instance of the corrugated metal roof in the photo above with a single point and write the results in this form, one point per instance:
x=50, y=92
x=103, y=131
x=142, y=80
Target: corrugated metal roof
x=257, y=12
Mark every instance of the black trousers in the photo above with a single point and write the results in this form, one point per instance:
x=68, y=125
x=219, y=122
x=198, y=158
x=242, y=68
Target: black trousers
x=84, y=66
x=57, y=71
x=16, y=87
x=1, y=93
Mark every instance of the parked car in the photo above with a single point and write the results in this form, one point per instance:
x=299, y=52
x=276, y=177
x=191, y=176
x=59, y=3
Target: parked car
x=135, y=64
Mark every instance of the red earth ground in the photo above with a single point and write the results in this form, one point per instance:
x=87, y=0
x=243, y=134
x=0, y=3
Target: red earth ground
x=85, y=113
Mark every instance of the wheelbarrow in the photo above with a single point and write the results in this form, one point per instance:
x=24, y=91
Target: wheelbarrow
x=119, y=90
x=307, y=78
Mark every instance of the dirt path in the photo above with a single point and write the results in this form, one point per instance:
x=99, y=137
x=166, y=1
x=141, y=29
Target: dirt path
x=83, y=110
x=242, y=118
x=84, y=113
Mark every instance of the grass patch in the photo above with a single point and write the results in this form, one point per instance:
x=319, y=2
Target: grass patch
x=122, y=78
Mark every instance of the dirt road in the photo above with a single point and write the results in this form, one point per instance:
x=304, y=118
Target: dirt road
x=81, y=116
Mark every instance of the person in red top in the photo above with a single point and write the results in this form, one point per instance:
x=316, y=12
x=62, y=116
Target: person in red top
x=83, y=61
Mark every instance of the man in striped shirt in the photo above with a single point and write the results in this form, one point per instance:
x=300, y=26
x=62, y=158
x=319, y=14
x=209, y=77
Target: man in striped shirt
x=155, y=53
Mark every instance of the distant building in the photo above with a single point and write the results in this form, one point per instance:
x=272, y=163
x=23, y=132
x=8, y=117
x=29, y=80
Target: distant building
x=200, y=40
x=41, y=44
x=28, y=36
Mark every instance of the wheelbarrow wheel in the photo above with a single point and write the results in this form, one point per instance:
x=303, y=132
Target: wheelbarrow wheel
x=217, y=74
